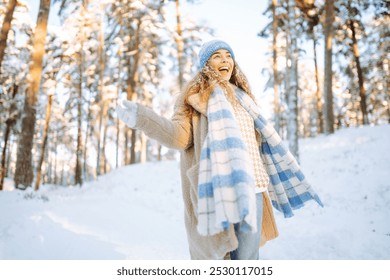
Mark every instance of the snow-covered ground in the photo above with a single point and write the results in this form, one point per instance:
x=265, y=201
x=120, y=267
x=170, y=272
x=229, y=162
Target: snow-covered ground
x=136, y=212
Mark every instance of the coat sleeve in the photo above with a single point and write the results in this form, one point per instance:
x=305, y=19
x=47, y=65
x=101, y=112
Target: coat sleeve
x=175, y=133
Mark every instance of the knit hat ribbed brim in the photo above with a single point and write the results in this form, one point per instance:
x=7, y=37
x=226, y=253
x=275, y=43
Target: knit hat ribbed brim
x=209, y=48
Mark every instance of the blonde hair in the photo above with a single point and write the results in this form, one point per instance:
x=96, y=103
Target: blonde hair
x=207, y=78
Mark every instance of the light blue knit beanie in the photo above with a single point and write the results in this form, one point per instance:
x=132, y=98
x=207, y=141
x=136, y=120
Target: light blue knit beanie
x=209, y=48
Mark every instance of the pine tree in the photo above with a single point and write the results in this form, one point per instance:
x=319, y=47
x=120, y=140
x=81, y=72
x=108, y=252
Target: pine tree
x=24, y=170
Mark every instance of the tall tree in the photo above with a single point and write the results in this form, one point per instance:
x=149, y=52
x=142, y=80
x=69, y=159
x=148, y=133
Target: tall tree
x=275, y=20
x=43, y=148
x=24, y=171
x=353, y=25
x=377, y=60
x=328, y=94
x=292, y=79
x=180, y=45
x=5, y=28
x=312, y=17
x=102, y=99
x=10, y=122
x=350, y=35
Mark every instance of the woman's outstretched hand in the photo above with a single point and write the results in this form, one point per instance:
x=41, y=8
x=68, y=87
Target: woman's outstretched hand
x=127, y=112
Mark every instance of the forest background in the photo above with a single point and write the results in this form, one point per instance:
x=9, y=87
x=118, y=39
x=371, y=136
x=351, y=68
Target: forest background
x=315, y=67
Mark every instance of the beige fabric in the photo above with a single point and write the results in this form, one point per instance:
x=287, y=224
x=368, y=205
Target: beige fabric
x=248, y=134
x=187, y=132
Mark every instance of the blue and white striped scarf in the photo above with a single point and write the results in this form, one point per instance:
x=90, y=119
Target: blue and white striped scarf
x=226, y=193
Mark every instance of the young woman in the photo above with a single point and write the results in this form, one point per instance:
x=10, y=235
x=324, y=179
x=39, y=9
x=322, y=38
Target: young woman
x=232, y=161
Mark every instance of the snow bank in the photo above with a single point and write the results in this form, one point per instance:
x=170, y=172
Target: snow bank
x=136, y=212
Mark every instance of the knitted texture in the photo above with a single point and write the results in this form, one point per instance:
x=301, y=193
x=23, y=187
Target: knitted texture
x=209, y=48
x=225, y=189
x=248, y=133
x=289, y=188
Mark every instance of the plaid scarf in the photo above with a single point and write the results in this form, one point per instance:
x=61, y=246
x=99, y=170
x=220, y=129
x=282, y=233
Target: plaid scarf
x=226, y=193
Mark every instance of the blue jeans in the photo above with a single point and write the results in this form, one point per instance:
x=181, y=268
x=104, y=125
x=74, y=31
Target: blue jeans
x=248, y=242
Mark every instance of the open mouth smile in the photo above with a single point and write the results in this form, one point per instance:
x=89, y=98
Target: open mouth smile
x=223, y=69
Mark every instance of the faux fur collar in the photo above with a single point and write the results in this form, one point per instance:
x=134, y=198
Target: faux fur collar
x=199, y=105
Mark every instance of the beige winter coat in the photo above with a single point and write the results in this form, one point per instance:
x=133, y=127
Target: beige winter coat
x=186, y=132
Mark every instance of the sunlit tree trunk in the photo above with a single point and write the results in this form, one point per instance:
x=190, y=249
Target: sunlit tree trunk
x=24, y=170
x=105, y=127
x=126, y=147
x=101, y=93
x=43, y=148
x=5, y=28
x=144, y=147
x=132, y=83
x=328, y=94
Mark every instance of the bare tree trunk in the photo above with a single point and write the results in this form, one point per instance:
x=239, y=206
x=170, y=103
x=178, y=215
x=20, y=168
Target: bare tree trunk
x=131, y=84
x=101, y=92
x=24, y=170
x=5, y=29
x=10, y=122
x=362, y=90
x=79, y=152
x=62, y=173
x=180, y=45
x=133, y=158
x=159, y=147
x=119, y=87
x=144, y=147
x=275, y=66
x=9, y=157
x=320, y=118
x=117, y=143
x=292, y=79
x=3, y=156
x=328, y=94
x=98, y=159
x=55, y=159
x=126, y=150
x=105, y=125
x=43, y=148
x=79, y=149
x=88, y=134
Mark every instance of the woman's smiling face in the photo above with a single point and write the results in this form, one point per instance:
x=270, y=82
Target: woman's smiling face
x=222, y=62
